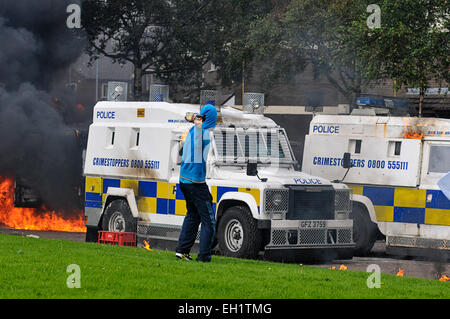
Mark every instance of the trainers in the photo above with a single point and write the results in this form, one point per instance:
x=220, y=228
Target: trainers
x=203, y=259
x=183, y=256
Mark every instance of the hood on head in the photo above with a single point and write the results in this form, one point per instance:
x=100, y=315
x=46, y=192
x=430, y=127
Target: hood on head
x=211, y=116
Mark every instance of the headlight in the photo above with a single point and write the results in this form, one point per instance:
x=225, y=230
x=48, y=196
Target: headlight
x=276, y=200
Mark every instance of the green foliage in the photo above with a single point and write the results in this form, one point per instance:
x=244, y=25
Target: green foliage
x=175, y=39
x=326, y=34
x=37, y=268
x=166, y=38
x=233, y=54
x=412, y=45
x=334, y=37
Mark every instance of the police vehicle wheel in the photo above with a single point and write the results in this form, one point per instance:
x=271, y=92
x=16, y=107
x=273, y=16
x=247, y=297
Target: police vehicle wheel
x=238, y=234
x=364, y=231
x=118, y=217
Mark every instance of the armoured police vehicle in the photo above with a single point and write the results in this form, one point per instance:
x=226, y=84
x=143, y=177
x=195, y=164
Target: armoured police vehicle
x=132, y=167
x=397, y=163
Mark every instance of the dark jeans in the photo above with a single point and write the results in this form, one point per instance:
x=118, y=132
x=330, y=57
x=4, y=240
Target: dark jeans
x=199, y=211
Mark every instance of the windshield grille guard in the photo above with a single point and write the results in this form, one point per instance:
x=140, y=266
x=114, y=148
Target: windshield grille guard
x=238, y=145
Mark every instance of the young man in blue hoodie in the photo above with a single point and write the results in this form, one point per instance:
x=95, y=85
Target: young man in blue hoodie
x=194, y=188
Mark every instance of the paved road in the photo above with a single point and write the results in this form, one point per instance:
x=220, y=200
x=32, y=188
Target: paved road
x=417, y=267
x=388, y=264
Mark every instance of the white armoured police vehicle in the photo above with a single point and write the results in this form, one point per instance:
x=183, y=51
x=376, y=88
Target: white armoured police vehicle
x=132, y=181
x=396, y=165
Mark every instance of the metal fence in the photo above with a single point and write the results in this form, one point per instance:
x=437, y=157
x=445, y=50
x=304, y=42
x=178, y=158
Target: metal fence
x=254, y=103
x=159, y=93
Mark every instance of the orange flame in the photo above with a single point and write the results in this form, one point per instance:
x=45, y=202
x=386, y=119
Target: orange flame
x=341, y=267
x=31, y=218
x=146, y=246
x=400, y=272
x=444, y=278
x=410, y=133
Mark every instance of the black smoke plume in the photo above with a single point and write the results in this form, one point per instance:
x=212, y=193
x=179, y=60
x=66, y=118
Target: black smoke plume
x=37, y=118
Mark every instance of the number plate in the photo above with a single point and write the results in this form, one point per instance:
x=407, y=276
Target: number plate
x=313, y=224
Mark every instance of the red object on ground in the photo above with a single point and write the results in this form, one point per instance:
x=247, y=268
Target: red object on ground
x=117, y=238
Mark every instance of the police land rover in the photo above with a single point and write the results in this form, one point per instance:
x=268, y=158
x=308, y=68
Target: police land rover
x=261, y=202
x=397, y=165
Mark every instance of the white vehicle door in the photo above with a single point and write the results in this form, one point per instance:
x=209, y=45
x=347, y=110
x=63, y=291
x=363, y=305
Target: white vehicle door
x=435, y=163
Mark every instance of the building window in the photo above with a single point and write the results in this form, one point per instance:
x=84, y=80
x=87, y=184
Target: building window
x=72, y=86
x=212, y=68
x=104, y=93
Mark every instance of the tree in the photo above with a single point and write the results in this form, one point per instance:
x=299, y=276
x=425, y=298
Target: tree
x=232, y=54
x=327, y=34
x=160, y=37
x=412, y=46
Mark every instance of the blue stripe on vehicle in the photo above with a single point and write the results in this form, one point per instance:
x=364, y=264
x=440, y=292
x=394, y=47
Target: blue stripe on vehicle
x=222, y=190
x=161, y=205
x=171, y=206
x=93, y=204
x=109, y=182
x=438, y=200
x=95, y=197
x=179, y=194
x=380, y=196
x=409, y=215
x=147, y=189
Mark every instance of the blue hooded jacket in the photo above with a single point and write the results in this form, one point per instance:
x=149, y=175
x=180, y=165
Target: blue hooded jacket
x=196, y=148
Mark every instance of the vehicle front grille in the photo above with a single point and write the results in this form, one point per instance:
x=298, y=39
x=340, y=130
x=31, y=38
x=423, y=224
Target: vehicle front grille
x=343, y=200
x=313, y=202
x=311, y=237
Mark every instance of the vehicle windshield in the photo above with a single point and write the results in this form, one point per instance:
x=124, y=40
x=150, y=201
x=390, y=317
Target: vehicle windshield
x=261, y=145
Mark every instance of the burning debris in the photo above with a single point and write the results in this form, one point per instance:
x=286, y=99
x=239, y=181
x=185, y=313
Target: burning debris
x=400, y=273
x=341, y=267
x=34, y=219
x=36, y=117
x=410, y=132
x=146, y=246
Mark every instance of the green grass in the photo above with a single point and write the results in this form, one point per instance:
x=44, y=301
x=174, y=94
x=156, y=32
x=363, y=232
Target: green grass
x=36, y=268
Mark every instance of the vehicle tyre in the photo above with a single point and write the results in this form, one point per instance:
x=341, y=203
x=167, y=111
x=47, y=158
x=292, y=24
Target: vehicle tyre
x=364, y=230
x=118, y=217
x=237, y=234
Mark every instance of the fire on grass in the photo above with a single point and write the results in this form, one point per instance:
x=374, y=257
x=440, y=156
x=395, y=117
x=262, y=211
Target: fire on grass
x=31, y=218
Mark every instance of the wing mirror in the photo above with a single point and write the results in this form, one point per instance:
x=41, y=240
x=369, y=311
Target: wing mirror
x=252, y=170
x=346, y=161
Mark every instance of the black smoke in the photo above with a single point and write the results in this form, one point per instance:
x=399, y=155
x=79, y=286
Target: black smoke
x=38, y=119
